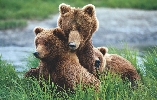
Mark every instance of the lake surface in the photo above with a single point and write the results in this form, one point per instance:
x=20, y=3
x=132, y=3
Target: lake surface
x=137, y=28
x=17, y=56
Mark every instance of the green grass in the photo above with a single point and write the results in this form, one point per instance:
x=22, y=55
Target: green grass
x=14, y=13
x=32, y=61
x=112, y=88
x=6, y=24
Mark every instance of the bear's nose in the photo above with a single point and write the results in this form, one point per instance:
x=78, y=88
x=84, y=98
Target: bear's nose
x=36, y=54
x=72, y=45
x=97, y=63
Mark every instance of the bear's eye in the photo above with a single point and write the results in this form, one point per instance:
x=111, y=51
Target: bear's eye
x=46, y=44
x=67, y=31
x=79, y=29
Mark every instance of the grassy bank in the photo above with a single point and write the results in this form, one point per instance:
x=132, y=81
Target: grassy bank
x=112, y=88
x=14, y=13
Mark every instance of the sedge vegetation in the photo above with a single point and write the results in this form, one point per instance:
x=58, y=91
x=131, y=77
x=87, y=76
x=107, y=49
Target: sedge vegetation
x=15, y=13
x=112, y=87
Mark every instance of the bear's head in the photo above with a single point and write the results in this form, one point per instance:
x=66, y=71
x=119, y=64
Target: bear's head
x=100, y=61
x=103, y=50
x=78, y=24
x=49, y=43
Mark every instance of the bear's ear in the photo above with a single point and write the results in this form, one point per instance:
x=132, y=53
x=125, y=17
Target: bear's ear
x=89, y=9
x=64, y=8
x=103, y=50
x=59, y=33
x=38, y=30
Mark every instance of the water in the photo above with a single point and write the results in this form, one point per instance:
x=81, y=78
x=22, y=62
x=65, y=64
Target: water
x=16, y=56
x=137, y=28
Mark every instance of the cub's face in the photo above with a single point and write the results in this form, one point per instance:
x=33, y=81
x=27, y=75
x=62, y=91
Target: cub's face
x=49, y=43
x=100, y=62
x=77, y=23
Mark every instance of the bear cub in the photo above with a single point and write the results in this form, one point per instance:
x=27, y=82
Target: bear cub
x=58, y=63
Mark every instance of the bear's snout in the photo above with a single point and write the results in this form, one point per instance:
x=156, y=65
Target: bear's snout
x=36, y=54
x=72, y=45
x=97, y=63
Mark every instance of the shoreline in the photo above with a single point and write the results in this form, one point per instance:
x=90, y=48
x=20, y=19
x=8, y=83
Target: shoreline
x=136, y=28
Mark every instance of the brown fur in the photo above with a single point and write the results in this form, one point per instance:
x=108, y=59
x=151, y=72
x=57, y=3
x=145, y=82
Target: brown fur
x=100, y=57
x=33, y=72
x=58, y=63
x=79, y=24
x=119, y=65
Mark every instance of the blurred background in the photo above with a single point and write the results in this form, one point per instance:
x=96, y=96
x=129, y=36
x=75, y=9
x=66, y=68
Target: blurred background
x=121, y=22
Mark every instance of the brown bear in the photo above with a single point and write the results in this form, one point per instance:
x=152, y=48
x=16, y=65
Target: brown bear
x=100, y=62
x=119, y=65
x=58, y=63
x=79, y=25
